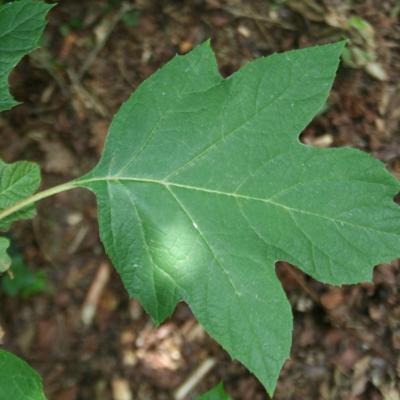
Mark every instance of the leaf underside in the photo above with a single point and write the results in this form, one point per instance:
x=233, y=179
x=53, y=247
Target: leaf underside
x=18, y=381
x=21, y=26
x=203, y=185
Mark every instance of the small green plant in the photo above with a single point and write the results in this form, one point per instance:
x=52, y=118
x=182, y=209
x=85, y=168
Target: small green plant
x=203, y=186
x=22, y=281
x=217, y=393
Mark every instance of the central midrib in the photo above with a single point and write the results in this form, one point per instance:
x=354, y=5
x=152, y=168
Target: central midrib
x=169, y=185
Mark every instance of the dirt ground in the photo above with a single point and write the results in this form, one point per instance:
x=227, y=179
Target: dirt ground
x=346, y=342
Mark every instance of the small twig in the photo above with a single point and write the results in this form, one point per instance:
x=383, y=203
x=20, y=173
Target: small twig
x=78, y=239
x=256, y=17
x=204, y=368
x=92, y=298
x=121, y=389
x=2, y=334
x=103, y=33
x=89, y=99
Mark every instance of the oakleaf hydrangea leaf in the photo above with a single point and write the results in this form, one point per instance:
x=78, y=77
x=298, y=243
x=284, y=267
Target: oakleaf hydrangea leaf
x=18, y=381
x=217, y=393
x=203, y=185
x=17, y=181
x=21, y=26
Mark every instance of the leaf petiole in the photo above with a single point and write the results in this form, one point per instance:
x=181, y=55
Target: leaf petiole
x=38, y=196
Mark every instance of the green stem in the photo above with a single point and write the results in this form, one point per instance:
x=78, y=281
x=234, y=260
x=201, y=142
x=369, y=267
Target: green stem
x=36, y=197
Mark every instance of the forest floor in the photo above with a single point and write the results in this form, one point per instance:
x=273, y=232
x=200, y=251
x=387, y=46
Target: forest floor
x=346, y=341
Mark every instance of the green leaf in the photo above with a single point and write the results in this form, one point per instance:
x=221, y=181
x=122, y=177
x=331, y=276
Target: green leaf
x=24, y=282
x=203, y=185
x=217, y=393
x=21, y=26
x=5, y=260
x=17, y=181
x=18, y=381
